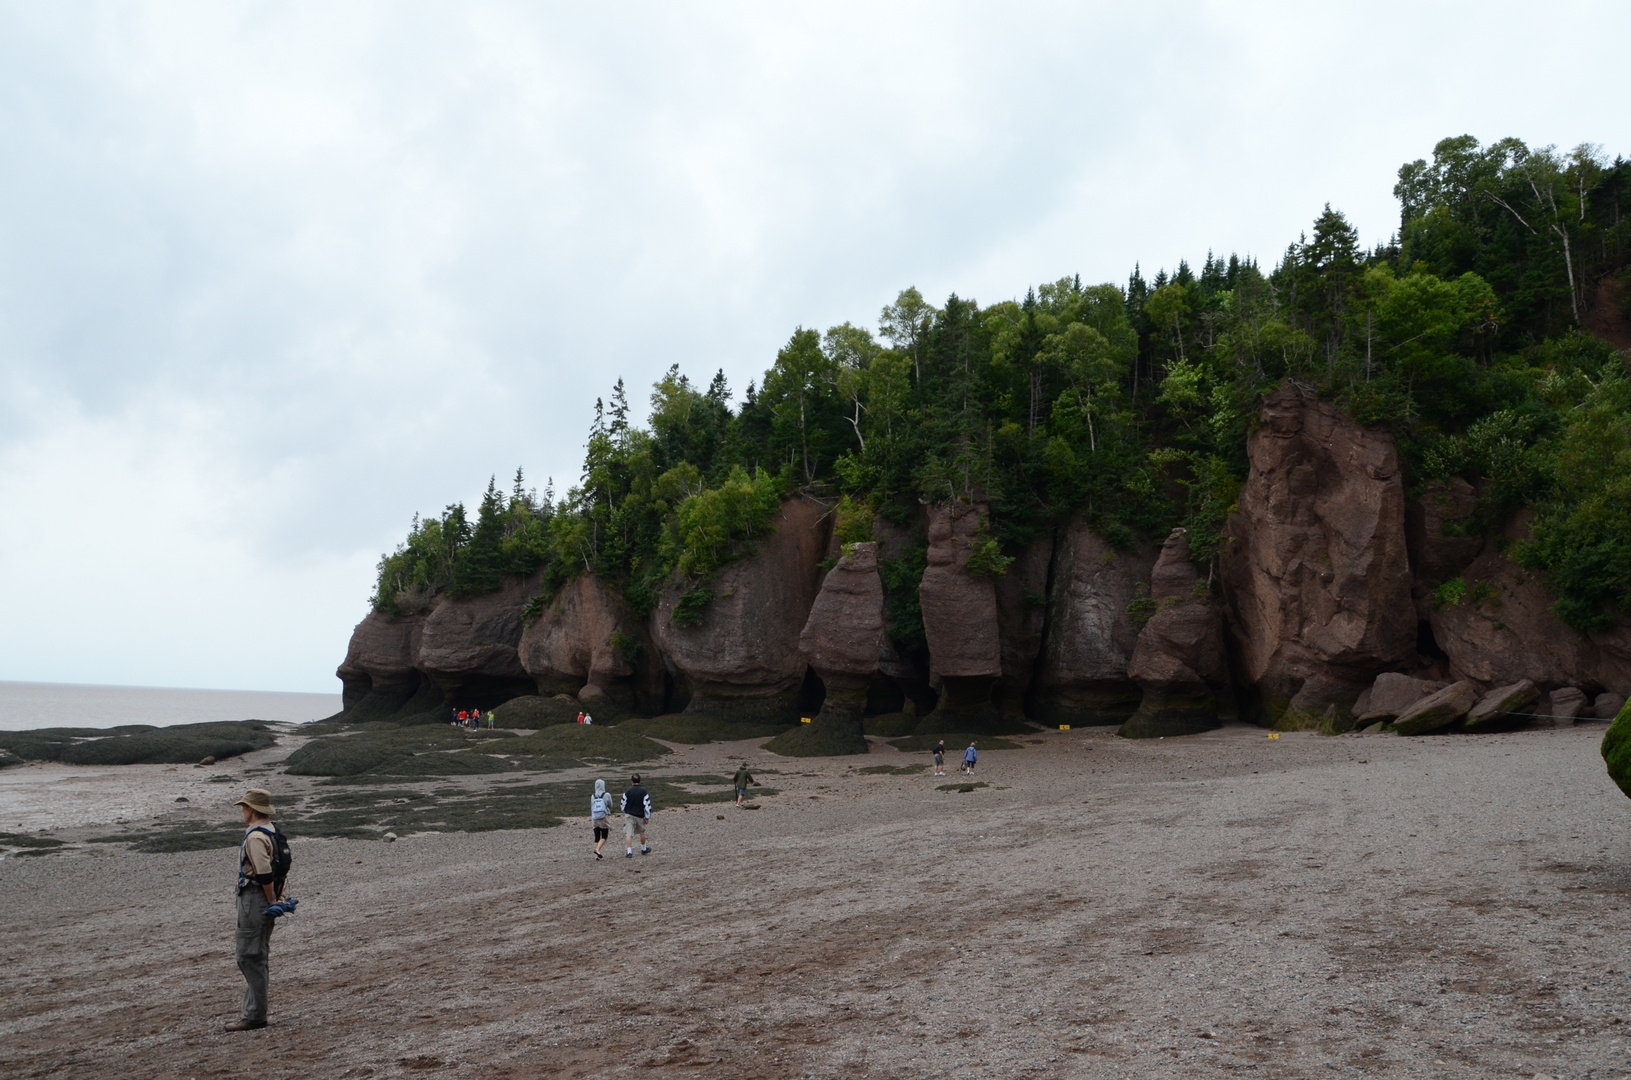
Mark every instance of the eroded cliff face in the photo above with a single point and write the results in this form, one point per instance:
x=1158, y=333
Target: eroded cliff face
x=1317, y=573
x=470, y=648
x=841, y=640
x=742, y=662
x=960, y=623
x=1179, y=662
x=1082, y=671
x=381, y=660
x=589, y=642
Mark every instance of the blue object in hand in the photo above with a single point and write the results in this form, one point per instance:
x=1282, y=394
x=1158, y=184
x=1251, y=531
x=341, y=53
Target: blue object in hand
x=282, y=907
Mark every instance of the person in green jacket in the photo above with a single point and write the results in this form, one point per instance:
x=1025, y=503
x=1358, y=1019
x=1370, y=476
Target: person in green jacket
x=743, y=779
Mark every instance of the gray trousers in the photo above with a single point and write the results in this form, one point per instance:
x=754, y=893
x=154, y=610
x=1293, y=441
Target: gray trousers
x=254, y=949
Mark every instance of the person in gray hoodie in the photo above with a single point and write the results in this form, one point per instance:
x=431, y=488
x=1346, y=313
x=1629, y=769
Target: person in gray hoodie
x=600, y=812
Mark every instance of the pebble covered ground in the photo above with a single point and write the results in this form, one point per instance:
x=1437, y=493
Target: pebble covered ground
x=1220, y=905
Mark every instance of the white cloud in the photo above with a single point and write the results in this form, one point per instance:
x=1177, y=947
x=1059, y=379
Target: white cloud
x=273, y=277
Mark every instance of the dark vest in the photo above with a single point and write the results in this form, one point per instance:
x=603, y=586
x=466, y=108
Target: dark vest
x=634, y=801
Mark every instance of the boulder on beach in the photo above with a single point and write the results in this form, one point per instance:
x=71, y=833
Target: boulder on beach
x=1178, y=662
x=1496, y=706
x=1391, y=694
x=1565, y=705
x=1318, y=571
x=1438, y=710
x=1608, y=706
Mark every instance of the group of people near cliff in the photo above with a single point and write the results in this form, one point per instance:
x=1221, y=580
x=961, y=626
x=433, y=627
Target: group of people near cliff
x=471, y=719
x=264, y=860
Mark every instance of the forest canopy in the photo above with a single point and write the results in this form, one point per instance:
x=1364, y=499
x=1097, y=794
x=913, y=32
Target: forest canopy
x=1129, y=405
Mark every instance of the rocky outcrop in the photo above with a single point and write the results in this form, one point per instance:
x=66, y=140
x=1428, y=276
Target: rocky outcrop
x=1021, y=618
x=960, y=623
x=1178, y=661
x=469, y=648
x=841, y=640
x=1499, y=628
x=1317, y=572
x=1438, y=710
x=1433, y=524
x=742, y=661
x=1082, y=673
x=1565, y=705
x=1608, y=706
x=380, y=659
x=1391, y=694
x=1497, y=706
x=588, y=642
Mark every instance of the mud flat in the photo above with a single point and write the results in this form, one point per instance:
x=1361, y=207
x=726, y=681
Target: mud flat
x=1222, y=904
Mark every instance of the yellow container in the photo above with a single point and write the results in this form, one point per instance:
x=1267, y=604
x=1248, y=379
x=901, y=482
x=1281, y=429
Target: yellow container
x=804, y=719
x=1064, y=727
x=1274, y=734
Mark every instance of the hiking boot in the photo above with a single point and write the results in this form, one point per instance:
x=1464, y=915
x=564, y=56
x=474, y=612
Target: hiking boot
x=245, y=1025
x=645, y=851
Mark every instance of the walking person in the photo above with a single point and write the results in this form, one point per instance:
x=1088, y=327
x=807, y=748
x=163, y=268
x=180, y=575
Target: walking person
x=636, y=816
x=969, y=758
x=940, y=758
x=263, y=864
x=743, y=779
x=600, y=813
x=475, y=719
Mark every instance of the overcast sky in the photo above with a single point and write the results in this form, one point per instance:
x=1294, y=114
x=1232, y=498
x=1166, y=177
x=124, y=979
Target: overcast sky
x=274, y=277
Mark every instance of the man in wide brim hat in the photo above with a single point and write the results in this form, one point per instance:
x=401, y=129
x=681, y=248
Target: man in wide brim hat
x=259, y=888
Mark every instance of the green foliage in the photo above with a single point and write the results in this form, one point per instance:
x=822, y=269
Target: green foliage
x=987, y=559
x=1128, y=407
x=1450, y=593
x=1142, y=606
x=1616, y=750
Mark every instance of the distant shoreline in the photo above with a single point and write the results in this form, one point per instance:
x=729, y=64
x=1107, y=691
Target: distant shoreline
x=29, y=705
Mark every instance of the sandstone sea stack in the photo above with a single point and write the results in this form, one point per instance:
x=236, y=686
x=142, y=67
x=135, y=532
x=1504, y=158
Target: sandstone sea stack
x=1318, y=572
x=742, y=661
x=841, y=641
x=589, y=638
x=960, y=623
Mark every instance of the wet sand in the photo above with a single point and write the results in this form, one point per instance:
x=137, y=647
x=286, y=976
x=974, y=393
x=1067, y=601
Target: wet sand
x=1219, y=905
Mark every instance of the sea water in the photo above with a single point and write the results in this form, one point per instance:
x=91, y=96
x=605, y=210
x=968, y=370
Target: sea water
x=26, y=705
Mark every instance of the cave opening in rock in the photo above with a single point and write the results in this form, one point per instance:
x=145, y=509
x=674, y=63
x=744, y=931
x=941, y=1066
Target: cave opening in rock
x=1426, y=644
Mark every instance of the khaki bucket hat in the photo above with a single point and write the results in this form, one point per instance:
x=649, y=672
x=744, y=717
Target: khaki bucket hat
x=258, y=800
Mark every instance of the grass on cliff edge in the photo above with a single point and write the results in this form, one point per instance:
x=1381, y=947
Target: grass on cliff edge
x=138, y=744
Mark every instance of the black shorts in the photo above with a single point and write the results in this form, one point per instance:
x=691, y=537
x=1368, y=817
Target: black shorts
x=602, y=832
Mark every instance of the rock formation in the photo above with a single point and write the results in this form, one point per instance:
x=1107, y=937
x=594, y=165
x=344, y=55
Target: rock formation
x=1565, y=705
x=1082, y=674
x=468, y=648
x=960, y=623
x=1021, y=617
x=1178, y=661
x=742, y=661
x=588, y=642
x=1438, y=710
x=1497, y=706
x=379, y=661
x=841, y=640
x=1318, y=573
x=1390, y=695
x=1608, y=706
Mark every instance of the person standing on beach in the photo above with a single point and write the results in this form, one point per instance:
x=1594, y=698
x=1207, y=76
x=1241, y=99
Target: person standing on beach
x=636, y=816
x=940, y=758
x=969, y=758
x=600, y=811
x=262, y=862
x=743, y=779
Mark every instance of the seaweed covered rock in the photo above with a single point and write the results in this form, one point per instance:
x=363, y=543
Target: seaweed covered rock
x=1318, y=570
x=741, y=660
x=1082, y=673
x=1178, y=661
x=1438, y=710
x=1499, y=705
x=841, y=640
x=469, y=647
x=588, y=636
x=960, y=623
x=1616, y=750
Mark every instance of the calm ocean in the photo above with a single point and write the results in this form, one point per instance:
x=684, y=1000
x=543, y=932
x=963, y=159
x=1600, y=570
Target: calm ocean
x=34, y=705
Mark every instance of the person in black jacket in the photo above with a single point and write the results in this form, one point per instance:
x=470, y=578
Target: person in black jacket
x=636, y=816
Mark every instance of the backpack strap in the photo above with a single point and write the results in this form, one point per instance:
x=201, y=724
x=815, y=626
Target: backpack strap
x=243, y=855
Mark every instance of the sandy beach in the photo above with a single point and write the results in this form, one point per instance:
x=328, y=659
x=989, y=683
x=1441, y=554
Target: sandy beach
x=1223, y=904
